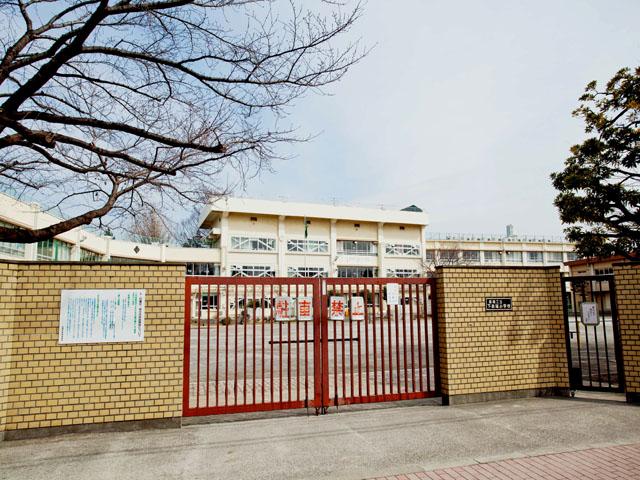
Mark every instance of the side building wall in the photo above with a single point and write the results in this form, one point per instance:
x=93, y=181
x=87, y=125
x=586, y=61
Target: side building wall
x=497, y=354
x=46, y=384
x=628, y=300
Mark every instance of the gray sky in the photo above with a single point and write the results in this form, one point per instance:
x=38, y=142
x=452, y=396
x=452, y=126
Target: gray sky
x=463, y=108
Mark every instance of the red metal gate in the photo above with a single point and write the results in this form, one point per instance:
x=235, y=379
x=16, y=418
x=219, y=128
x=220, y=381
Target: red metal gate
x=250, y=344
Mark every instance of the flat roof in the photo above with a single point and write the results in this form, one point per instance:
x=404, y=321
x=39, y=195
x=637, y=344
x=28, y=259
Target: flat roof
x=310, y=210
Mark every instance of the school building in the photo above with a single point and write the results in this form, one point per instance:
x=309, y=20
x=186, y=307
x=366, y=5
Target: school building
x=267, y=238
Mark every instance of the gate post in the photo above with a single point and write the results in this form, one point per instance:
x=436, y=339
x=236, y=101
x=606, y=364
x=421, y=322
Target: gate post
x=627, y=277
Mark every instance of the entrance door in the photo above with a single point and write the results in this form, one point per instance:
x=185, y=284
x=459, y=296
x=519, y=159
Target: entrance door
x=592, y=332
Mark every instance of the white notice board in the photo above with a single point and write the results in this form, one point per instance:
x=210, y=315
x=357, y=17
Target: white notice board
x=97, y=316
x=590, y=313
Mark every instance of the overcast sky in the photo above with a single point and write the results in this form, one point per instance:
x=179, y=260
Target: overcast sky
x=462, y=108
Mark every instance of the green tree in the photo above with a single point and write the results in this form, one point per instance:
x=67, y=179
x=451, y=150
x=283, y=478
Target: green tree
x=599, y=197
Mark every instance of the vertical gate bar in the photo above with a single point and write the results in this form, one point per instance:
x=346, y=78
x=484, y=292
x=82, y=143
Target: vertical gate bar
x=397, y=329
x=263, y=308
x=586, y=339
x=335, y=358
x=404, y=338
x=366, y=335
x=595, y=334
x=244, y=335
x=349, y=303
x=604, y=331
x=271, y=300
x=235, y=358
x=186, y=378
x=226, y=349
x=218, y=339
x=359, y=350
x=435, y=335
x=199, y=305
x=373, y=331
x=413, y=364
x=380, y=293
x=323, y=341
x=428, y=350
x=280, y=348
x=318, y=339
x=344, y=367
x=418, y=320
x=255, y=318
x=209, y=298
x=306, y=358
x=297, y=345
x=578, y=334
x=389, y=347
x=616, y=334
x=289, y=350
x=567, y=332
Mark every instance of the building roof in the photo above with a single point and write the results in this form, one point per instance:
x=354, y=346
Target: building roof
x=311, y=210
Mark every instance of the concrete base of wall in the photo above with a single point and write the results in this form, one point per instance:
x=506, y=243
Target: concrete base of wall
x=128, y=426
x=506, y=395
x=633, y=397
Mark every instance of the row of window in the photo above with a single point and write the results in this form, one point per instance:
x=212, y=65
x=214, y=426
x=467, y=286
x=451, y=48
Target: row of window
x=345, y=247
x=494, y=256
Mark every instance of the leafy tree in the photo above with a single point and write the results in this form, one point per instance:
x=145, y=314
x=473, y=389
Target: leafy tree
x=599, y=188
x=108, y=107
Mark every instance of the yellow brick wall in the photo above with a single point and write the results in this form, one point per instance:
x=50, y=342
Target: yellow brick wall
x=628, y=301
x=488, y=352
x=8, y=281
x=58, y=385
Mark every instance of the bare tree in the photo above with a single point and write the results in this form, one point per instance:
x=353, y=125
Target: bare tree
x=452, y=255
x=149, y=227
x=109, y=106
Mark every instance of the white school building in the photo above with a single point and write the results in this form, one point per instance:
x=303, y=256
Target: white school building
x=250, y=237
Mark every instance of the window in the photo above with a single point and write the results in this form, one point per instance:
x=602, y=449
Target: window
x=9, y=248
x=571, y=256
x=307, y=272
x=209, y=301
x=252, y=271
x=492, y=256
x=89, y=256
x=471, y=256
x=430, y=255
x=209, y=269
x=604, y=271
x=357, y=247
x=448, y=255
x=357, y=272
x=402, y=249
x=307, y=246
x=535, y=257
x=253, y=244
x=402, y=273
x=554, y=257
x=514, y=257
x=54, y=250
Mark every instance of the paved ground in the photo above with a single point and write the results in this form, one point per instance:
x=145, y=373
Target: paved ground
x=609, y=463
x=352, y=444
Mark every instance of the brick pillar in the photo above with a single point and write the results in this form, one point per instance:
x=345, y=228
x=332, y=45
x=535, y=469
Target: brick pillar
x=628, y=302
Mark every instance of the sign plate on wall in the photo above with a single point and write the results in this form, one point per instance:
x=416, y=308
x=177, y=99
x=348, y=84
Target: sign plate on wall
x=589, y=313
x=98, y=316
x=498, y=304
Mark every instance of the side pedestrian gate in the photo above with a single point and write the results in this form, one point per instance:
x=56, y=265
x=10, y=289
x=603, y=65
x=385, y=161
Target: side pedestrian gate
x=276, y=343
x=592, y=333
